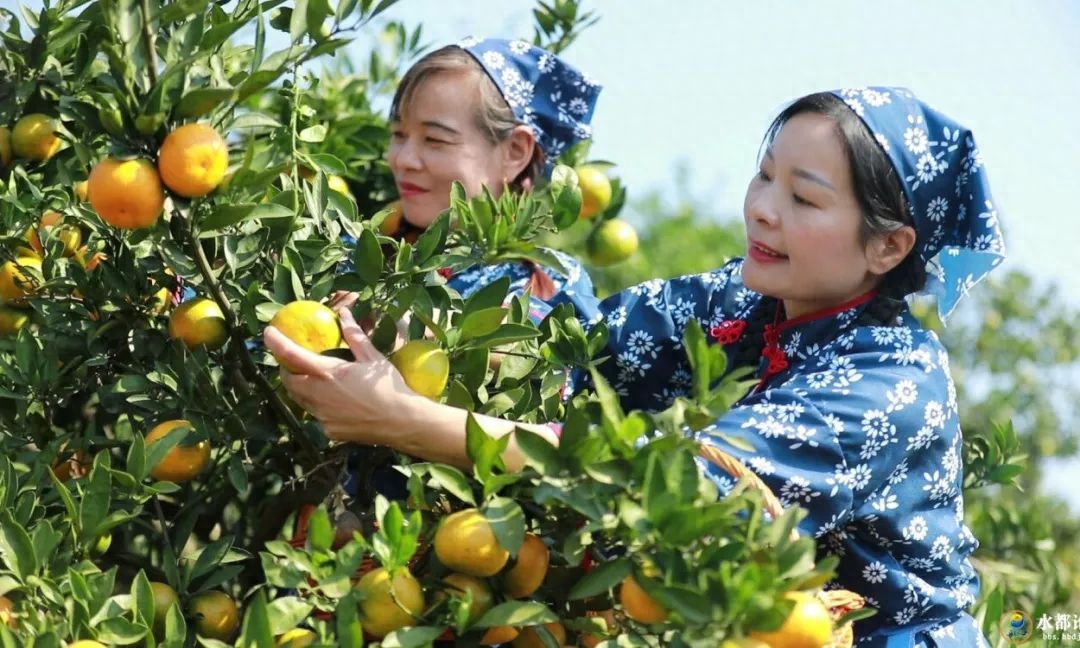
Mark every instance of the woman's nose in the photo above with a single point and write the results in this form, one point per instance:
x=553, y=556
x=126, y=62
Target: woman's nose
x=403, y=155
x=759, y=208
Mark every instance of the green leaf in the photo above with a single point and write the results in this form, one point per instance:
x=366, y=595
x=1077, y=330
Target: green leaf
x=16, y=547
x=453, y=481
x=507, y=521
x=347, y=620
x=601, y=579
x=516, y=613
x=539, y=452
x=697, y=351
x=95, y=502
x=505, y=334
x=490, y=296
x=313, y=134
x=142, y=599
x=320, y=530
x=368, y=260
x=480, y=323
x=223, y=216
x=286, y=612
x=256, y=631
x=417, y=637
x=201, y=101
x=211, y=556
x=485, y=451
x=238, y=474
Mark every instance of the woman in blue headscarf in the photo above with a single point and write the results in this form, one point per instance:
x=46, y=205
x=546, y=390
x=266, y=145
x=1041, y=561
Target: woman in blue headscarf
x=863, y=197
x=492, y=113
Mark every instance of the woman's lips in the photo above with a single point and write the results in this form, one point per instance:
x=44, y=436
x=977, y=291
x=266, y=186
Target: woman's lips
x=407, y=189
x=764, y=253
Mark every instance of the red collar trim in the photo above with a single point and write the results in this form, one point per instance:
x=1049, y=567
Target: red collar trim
x=823, y=313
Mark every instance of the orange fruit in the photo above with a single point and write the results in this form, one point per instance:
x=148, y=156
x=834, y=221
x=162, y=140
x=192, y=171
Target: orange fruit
x=310, y=324
x=807, y=626
x=86, y=643
x=392, y=222
x=637, y=603
x=296, y=638
x=82, y=190
x=611, y=628
x=389, y=603
x=466, y=543
x=15, y=284
x=595, y=190
x=193, y=159
x=126, y=193
x=7, y=613
x=5, y=147
x=34, y=138
x=182, y=463
x=530, y=638
x=50, y=222
x=499, y=635
x=612, y=242
x=164, y=598
x=198, y=323
x=425, y=367
x=458, y=584
x=338, y=184
x=88, y=261
x=216, y=615
x=529, y=570
x=12, y=320
x=743, y=642
x=73, y=466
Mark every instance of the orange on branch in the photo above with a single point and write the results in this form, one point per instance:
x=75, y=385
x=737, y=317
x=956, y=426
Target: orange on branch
x=164, y=598
x=126, y=193
x=5, y=147
x=637, y=603
x=16, y=284
x=499, y=635
x=198, y=323
x=86, y=643
x=82, y=190
x=50, y=223
x=612, y=242
x=595, y=190
x=193, y=160
x=183, y=462
x=529, y=569
x=34, y=138
x=12, y=320
x=310, y=324
x=215, y=614
x=530, y=637
x=807, y=626
x=457, y=584
x=389, y=603
x=7, y=613
x=425, y=367
x=466, y=543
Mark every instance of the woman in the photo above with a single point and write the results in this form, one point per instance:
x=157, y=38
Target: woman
x=489, y=113
x=863, y=197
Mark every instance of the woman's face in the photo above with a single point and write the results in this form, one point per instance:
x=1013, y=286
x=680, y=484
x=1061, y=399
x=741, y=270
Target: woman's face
x=437, y=140
x=803, y=221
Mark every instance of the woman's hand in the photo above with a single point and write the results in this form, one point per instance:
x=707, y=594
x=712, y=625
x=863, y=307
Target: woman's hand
x=355, y=401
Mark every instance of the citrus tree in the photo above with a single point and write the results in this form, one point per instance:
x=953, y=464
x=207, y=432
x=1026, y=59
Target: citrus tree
x=171, y=183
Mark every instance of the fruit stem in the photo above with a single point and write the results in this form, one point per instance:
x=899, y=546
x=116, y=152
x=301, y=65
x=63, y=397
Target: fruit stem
x=239, y=346
x=164, y=526
x=148, y=36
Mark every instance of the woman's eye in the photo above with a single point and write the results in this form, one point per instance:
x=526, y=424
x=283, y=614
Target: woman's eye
x=762, y=175
x=397, y=134
x=435, y=140
x=799, y=200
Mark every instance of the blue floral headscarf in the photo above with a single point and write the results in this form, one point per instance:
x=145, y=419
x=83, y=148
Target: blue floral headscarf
x=544, y=92
x=959, y=236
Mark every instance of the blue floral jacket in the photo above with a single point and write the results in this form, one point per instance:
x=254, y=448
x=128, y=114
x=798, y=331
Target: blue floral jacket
x=861, y=428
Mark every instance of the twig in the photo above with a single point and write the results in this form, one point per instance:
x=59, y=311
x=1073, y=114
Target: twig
x=148, y=36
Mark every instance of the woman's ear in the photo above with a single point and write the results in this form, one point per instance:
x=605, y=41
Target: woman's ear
x=518, y=151
x=887, y=251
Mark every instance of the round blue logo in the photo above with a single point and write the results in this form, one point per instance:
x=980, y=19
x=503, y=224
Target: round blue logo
x=1016, y=627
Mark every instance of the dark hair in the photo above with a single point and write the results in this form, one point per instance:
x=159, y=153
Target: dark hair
x=494, y=118
x=884, y=206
